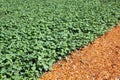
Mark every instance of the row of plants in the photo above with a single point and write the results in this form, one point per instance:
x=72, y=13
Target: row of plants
x=34, y=34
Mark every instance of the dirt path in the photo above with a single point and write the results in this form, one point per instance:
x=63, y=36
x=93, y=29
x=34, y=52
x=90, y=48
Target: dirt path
x=98, y=61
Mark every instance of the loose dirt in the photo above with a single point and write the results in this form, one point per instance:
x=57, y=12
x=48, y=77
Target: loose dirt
x=98, y=61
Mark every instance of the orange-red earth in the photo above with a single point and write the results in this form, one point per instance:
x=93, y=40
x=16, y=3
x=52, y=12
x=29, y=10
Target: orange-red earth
x=98, y=61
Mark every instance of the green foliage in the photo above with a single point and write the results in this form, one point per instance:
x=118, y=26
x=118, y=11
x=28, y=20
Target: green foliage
x=36, y=33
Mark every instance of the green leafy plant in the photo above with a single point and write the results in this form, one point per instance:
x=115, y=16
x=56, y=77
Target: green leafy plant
x=34, y=34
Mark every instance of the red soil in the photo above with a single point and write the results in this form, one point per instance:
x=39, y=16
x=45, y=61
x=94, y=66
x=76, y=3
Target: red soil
x=98, y=61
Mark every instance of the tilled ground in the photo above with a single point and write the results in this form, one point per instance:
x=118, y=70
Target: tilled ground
x=98, y=61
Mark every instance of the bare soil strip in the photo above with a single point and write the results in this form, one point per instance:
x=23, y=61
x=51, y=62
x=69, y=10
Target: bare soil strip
x=98, y=61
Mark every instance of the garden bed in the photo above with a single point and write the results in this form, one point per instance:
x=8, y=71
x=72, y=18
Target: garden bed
x=35, y=34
